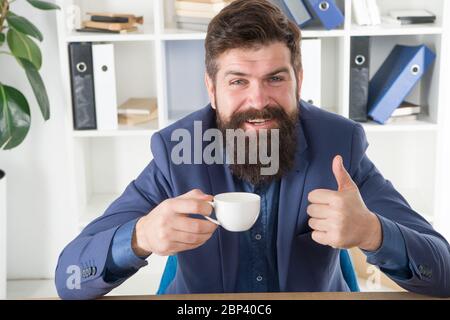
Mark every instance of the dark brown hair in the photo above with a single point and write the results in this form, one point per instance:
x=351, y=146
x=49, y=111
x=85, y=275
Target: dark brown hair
x=250, y=24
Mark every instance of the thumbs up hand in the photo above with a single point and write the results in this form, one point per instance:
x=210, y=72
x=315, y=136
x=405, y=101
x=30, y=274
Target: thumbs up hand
x=340, y=219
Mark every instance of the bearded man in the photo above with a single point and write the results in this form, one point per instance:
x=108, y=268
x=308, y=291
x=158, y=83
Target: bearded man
x=325, y=196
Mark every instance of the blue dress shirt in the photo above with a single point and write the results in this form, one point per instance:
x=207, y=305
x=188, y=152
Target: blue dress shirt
x=258, y=270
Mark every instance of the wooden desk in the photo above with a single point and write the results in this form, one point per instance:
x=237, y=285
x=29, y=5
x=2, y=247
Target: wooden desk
x=284, y=296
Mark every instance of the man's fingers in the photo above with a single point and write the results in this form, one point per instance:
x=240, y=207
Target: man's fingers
x=192, y=225
x=343, y=178
x=319, y=224
x=320, y=237
x=196, y=194
x=320, y=211
x=190, y=206
x=189, y=238
x=322, y=196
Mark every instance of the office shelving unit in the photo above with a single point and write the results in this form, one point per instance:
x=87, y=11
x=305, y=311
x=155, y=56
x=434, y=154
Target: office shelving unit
x=164, y=62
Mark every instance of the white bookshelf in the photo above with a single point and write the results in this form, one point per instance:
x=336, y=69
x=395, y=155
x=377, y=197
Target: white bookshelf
x=164, y=62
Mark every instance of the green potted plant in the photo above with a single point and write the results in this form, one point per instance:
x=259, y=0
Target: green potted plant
x=17, y=39
x=20, y=35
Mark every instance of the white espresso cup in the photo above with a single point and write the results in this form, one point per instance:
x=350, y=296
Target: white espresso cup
x=236, y=211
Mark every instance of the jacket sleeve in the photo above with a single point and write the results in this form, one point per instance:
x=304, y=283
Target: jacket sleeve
x=80, y=272
x=427, y=251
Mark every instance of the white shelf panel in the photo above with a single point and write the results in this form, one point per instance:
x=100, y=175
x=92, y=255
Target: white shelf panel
x=180, y=34
x=124, y=131
x=400, y=127
x=393, y=30
x=144, y=33
x=96, y=206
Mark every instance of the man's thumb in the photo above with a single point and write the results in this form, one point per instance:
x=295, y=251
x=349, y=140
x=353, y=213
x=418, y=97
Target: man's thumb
x=343, y=178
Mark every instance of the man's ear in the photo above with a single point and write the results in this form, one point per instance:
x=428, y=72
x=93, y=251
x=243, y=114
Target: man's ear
x=300, y=82
x=211, y=90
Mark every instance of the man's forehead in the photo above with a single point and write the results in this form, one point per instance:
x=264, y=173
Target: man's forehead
x=265, y=59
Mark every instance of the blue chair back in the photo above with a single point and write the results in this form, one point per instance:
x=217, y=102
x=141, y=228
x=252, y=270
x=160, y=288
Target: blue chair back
x=344, y=257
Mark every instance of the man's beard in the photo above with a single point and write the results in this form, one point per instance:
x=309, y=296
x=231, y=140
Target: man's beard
x=286, y=124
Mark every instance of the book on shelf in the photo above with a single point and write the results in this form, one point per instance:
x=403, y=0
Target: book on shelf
x=392, y=21
x=95, y=30
x=403, y=119
x=196, y=14
x=374, y=12
x=405, y=17
x=195, y=20
x=115, y=17
x=201, y=6
x=111, y=22
x=407, y=109
x=366, y=12
x=192, y=26
x=412, y=14
x=110, y=19
x=138, y=111
x=108, y=26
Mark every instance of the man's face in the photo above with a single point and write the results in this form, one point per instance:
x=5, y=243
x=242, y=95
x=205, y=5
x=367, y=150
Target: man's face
x=258, y=89
x=249, y=80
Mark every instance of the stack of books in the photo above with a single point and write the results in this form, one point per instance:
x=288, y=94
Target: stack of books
x=407, y=17
x=138, y=111
x=196, y=14
x=111, y=22
x=366, y=12
x=406, y=112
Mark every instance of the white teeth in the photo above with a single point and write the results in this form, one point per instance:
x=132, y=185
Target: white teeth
x=257, y=121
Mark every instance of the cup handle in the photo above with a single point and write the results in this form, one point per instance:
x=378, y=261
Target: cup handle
x=211, y=219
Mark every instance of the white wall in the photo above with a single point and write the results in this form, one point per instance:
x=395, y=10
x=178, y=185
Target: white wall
x=39, y=224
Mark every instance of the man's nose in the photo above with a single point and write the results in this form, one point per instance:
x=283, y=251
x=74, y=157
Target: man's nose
x=258, y=97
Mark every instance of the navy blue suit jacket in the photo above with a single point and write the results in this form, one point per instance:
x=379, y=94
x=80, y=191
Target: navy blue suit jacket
x=303, y=265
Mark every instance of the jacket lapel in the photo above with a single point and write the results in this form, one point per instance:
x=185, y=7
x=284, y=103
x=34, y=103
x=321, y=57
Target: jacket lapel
x=291, y=193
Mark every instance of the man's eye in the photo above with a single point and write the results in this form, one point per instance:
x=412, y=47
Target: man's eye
x=276, y=79
x=237, y=82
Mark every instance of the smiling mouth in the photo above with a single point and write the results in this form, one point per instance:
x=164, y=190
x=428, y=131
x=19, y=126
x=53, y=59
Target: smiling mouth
x=259, y=122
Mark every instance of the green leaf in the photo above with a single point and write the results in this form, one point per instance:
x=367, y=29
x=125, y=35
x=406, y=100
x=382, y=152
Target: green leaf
x=2, y=38
x=14, y=117
x=43, y=5
x=38, y=87
x=23, y=25
x=22, y=46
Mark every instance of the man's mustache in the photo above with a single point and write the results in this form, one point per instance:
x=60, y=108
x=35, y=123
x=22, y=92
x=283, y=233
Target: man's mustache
x=268, y=113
